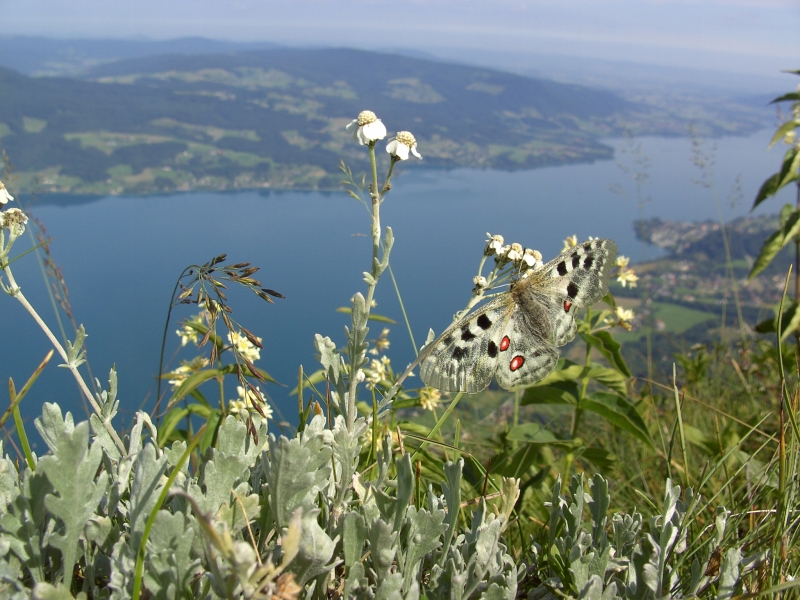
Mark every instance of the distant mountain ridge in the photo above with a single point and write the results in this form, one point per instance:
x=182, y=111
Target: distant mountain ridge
x=275, y=118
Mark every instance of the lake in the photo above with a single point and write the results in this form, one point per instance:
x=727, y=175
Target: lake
x=121, y=255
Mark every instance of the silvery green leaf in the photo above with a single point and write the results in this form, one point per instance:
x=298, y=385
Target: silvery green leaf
x=229, y=461
x=405, y=490
x=51, y=424
x=354, y=534
x=574, y=514
x=591, y=589
x=71, y=471
x=316, y=550
x=169, y=565
x=729, y=573
x=144, y=491
x=451, y=488
x=108, y=399
x=46, y=591
x=233, y=516
x=599, y=509
x=11, y=583
x=297, y=470
x=644, y=574
x=357, y=585
x=346, y=448
x=76, y=353
x=25, y=521
x=720, y=521
x=421, y=536
x=103, y=437
x=626, y=530
x=9, y=480
x=382, y=548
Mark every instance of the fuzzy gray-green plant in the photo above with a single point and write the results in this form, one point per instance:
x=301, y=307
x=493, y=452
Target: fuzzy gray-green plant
x=290, y=518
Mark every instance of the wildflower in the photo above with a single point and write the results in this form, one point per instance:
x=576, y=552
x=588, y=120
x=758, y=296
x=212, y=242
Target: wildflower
x=532, y=258
x=401, y=144
x=570, y=242
x=622, y=261
x=515, y=252
x=14, y=220
x=367, y=128
x=245, y=405
x=360, y=377
x=187, y=368
x=378, y=371
x=382, y=343
x=494, y=244
x=479, y=281
x=5, y=197
x=788, y=139
x=627, y=277
x=187, y=333
x=429, y=398
x=244, y=346
x=624, y=317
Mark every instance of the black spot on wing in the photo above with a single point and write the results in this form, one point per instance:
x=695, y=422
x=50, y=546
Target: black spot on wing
x=492, y=349
x=572, y=290
x=576, y=260
x=484, y=322
x=587, y=262
x=466, y=334
x=448, y=340
x=562, y=268
x=459, y=352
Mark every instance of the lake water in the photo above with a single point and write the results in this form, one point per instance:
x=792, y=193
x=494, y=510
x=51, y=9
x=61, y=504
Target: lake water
x=121, y=255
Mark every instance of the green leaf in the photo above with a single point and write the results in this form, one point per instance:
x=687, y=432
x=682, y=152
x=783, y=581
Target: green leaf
x=565, y=370
x=72, y=472
x=781, y=132
x=786, y=175
x=372, y=316
x=533, y=433
x=776, y=241
x=787, y=97
x=611, y=378
x=599, y=457
x=609, y=348
x=619, y=412
x=560, y=392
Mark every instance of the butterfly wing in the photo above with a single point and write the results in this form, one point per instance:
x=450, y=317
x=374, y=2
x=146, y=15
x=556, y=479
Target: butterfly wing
x=465, y=357
x=576, y=278
x=525, y=355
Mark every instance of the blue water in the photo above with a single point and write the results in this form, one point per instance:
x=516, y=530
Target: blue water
x=121, y=255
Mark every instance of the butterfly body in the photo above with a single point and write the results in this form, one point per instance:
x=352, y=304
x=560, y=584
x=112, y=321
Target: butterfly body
x=516, y=336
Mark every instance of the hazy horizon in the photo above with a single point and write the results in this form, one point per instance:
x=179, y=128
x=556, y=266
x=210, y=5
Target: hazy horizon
x=745, y=37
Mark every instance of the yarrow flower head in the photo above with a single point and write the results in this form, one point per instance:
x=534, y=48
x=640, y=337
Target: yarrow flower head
x=429, y=398
x=400, y=146
x=367, y=128
x=627, y=277
x=479, y=281
x=5, y=197
x=245, y=406
x=244, y=346
x=570, y=242
x=532, y=259
x=494, y=245
x=14, y=220
x=514, y=252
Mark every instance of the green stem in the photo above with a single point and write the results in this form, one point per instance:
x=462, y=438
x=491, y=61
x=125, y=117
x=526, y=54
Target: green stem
x=15, y=291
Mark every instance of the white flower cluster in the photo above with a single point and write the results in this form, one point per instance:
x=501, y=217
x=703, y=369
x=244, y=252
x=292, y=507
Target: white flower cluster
x=189, y=334
x=245, y=406
x=13, y=219
x=524, y=258
x=368, y=129
x=623, y=317
x=626, y=276
x=429, y=398
x=378, y=372
x=183, y=372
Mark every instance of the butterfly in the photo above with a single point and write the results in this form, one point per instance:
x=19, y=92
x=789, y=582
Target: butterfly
x=516, y=336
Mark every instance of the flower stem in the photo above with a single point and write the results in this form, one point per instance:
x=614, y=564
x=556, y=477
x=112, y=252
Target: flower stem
x=15, y=291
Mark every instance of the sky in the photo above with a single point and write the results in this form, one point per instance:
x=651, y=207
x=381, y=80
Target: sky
x=737, y=36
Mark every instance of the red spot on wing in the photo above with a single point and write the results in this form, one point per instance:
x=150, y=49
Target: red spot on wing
x=516, y=363
x=505, y=343
x=567, y=305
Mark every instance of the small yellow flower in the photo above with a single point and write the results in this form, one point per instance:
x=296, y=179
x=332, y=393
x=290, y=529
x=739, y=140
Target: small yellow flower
x=429, y=398
x=624, y=317
x=570, y=242
x=622, y=261
x=187, y=368
x=382, y=343
x=244, y=406
x=244, y=346
x=627, y=277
